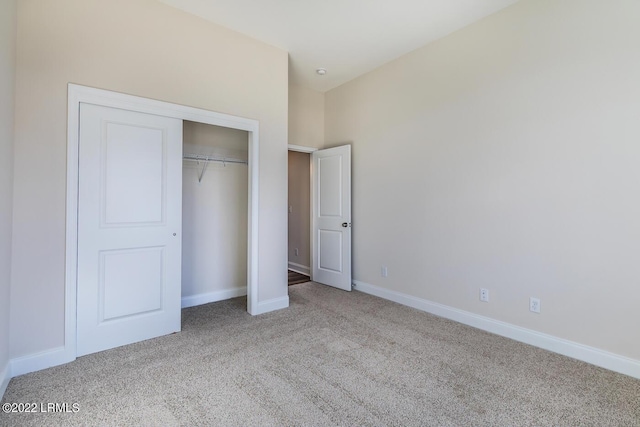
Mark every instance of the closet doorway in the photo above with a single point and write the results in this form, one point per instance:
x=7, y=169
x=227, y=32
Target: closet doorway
x=132, y=170
x=214, y=213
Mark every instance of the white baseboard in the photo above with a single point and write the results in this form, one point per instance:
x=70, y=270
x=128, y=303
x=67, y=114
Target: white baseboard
x=592, y=355
x=5, y=377
x=272, y=305
x=38, y=361
x=200, y=299
x=299, y=268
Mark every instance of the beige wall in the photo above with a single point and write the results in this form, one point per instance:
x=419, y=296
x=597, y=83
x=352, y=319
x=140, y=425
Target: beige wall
x=306, y=117
x=506, y=156
x=214, y=211
x=144, y=48
x=300, y=209
x=203, y=139
x=7, y=77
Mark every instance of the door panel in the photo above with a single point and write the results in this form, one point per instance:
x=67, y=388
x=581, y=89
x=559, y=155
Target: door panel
x=136, y=273
x=330, y=186
x=331, y=207
x=134, y=170
x=330, y=244
x=129, y=227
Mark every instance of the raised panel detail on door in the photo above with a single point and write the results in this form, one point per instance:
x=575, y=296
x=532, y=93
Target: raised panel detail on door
x=133, y=175
x=330, y=179
x=331, y=217
x=330, y=249
x=138, y=275
x=129, y=227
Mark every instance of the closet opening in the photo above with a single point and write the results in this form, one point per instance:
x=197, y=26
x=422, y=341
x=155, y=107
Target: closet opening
x=215, y=189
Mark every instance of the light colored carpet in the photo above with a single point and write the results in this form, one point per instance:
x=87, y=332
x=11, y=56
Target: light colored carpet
x=332, y=358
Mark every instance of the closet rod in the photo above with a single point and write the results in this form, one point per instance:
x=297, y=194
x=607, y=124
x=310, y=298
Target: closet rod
x=213, y=159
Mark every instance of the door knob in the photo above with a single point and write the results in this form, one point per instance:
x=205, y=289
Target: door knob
x=346, y=224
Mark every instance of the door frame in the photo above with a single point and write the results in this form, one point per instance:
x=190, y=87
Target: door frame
x=301, y=149
x=78, y=94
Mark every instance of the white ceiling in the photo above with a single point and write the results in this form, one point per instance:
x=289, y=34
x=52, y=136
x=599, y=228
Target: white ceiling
x=347, y=37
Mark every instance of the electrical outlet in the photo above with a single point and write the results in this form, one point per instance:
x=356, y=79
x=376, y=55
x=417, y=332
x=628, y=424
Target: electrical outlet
x=484, y=294
x=534, y=304
x=383, y=271
x=295, y=251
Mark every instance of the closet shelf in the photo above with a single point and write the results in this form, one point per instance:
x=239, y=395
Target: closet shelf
x=197, y=158
x=207, y=159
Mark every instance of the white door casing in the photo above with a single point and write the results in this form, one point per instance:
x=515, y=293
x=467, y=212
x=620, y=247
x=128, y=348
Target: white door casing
x=331, y=217
x=129, y=227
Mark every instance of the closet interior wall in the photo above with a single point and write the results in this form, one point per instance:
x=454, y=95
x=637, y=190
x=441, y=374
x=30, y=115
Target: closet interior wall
x=214, y=215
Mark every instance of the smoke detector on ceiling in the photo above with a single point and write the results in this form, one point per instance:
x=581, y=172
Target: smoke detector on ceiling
x=321, y=71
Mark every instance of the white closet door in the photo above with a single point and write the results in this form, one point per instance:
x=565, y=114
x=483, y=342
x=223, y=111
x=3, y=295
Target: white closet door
x=129, y=227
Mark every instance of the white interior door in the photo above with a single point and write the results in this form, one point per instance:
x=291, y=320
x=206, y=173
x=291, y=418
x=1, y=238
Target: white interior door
x=129, y=227
x=331, y=217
